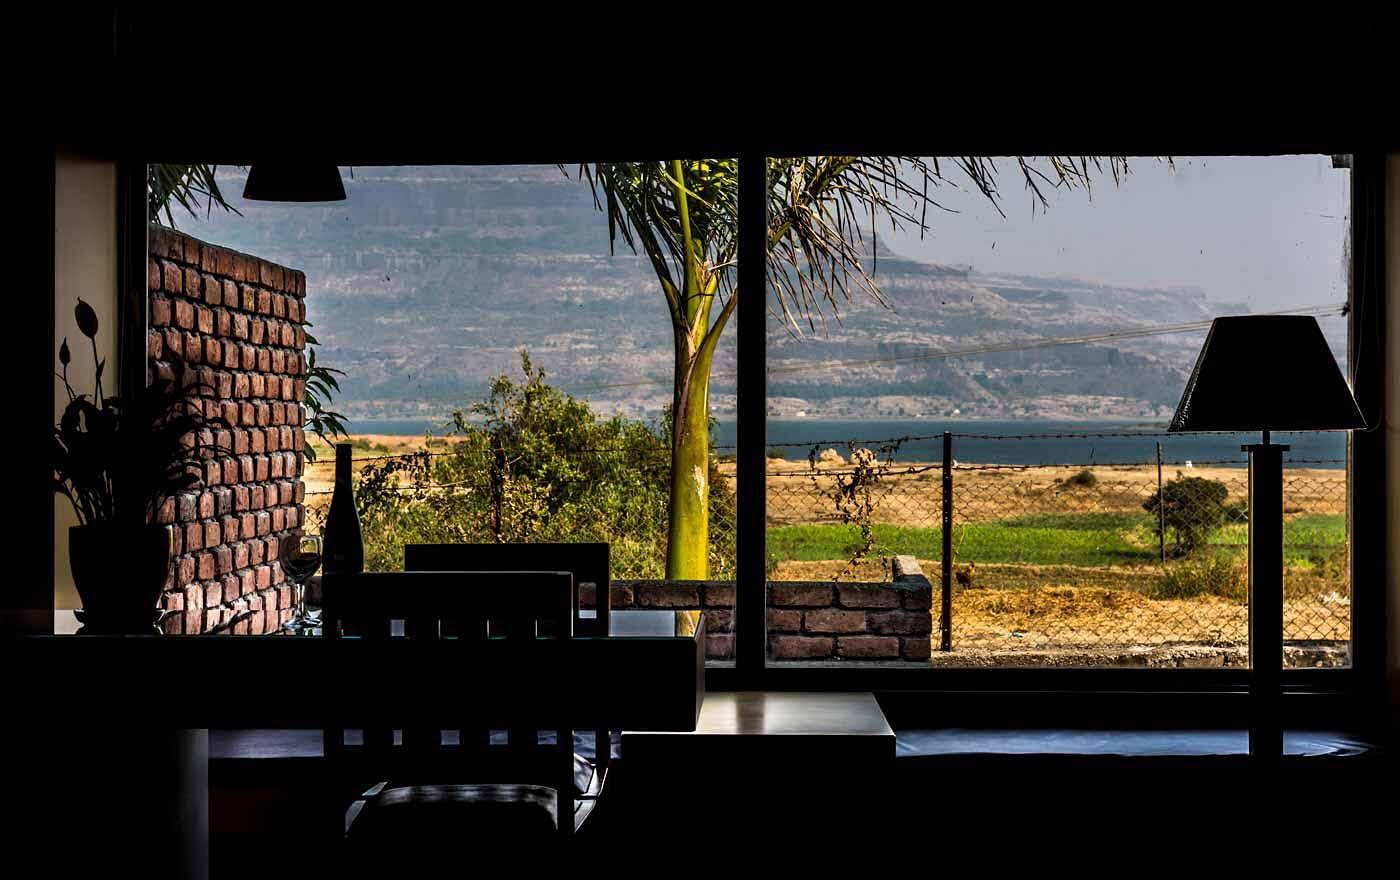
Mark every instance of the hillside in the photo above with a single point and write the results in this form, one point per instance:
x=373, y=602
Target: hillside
x=428, y=280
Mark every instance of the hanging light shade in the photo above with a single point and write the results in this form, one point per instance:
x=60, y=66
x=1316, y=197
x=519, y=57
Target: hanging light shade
x=1266, y=373
x=294, y=182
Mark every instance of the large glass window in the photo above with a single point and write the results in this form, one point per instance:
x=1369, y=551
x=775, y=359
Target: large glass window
x=1027, y=347
x=504, y=370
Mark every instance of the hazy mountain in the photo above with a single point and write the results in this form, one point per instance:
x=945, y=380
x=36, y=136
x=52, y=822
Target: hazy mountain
x=427, y=281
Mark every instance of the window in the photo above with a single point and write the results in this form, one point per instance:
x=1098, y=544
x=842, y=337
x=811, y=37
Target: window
x=1029, y=352
x=504, y=371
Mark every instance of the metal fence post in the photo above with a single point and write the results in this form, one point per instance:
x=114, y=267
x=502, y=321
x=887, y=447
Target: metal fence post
x=1161, y=509
x=945, y=628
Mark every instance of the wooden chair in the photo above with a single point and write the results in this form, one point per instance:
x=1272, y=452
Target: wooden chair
x=440, y=790
x=589, y=563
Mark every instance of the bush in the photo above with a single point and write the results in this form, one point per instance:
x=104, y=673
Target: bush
x=1216, y=575
x=537, y=465
x=776, y=454
x=1084, y=479
x=1190, y=508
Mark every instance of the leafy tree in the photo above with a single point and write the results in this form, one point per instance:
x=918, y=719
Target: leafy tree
x=530, y=463
x=1190, y=508
x=683, y=215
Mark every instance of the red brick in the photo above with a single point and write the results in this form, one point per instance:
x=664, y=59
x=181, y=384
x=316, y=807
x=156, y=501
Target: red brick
x=194, y=537
x=719, y=620
x=257, y=552
x=165, y=515
x=915, y=648
x=918, y=599
x=800, y=647
x=719, y=647
x=664, y=596
x=173, y=279
x=192, y=286
x=784, y=621
x=228, y=525
x=211, y=533
x=271, y=545
x=213, y=594
x=160, y=311
x=799, y=595
x=868, y=647
x=900, y=623
x=206, y=504
x=184, y=571
x=831, y=620
x=191, y=250
x=213, y=352
x=153, y=274
x=230, y=295
x=184, y=314
x=204, y=566
x=240, y=555
x=213, y=290
x=718, y=595
x=223, y=322
x=867, y=596
x=263, y=573
x=257, y=330
x=223, y=559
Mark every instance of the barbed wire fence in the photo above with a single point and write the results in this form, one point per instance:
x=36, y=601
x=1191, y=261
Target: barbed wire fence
x=1086, y=556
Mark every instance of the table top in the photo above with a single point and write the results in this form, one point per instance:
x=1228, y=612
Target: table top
x=774, y=726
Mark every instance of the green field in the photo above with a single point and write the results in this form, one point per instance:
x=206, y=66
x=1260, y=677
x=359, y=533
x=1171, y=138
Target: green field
x=1088, y=539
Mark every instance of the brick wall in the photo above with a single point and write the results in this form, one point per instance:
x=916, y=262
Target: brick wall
x=236, y=320
x=817, y=620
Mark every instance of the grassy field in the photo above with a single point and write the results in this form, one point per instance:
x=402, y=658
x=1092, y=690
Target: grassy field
x=1080, y=539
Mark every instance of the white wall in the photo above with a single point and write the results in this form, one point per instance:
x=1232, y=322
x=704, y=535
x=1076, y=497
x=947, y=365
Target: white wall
x=85, y=265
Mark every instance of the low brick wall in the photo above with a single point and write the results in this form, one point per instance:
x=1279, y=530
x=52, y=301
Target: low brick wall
x=807, y=620
x=236, y=321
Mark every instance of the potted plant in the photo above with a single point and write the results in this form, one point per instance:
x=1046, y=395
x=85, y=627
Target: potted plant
x=117, y=461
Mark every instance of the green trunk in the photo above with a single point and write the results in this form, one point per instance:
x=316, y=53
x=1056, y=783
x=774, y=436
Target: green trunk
x=688, y=541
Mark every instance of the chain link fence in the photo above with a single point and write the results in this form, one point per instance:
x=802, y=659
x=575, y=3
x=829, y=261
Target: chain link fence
x=1075, y=563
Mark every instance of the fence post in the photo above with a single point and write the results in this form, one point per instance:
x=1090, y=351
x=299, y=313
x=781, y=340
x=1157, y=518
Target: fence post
x=1161, y=509
x=945, y=628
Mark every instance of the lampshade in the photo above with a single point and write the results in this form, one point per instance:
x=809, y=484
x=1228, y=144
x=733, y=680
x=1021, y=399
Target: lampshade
x=1266, y=373
x=294, y=182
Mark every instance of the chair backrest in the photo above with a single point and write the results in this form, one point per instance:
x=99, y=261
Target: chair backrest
x=588, y=562
x=462, y=607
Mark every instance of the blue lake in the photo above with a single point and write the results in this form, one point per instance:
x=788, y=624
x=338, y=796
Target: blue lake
x=1012, y=442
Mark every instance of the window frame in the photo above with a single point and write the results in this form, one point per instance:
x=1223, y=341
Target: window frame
x=1107, y=686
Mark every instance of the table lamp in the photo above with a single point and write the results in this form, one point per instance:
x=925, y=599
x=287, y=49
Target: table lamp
x=1266, y=373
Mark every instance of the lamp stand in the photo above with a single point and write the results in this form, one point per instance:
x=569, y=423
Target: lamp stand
x=1265, y=598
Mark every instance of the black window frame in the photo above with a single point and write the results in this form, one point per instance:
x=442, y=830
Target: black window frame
x=1094, y=692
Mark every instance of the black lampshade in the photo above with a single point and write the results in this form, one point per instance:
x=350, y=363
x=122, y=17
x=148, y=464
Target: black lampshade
x=1266, y=373
x=294, y=182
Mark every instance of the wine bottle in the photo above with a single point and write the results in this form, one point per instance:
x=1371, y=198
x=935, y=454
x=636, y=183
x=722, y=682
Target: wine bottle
x=344, y=547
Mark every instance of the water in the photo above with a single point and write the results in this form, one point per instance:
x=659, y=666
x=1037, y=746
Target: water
x=926, y=443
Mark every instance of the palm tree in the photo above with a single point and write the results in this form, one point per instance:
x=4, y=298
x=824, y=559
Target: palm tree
x=683, y=216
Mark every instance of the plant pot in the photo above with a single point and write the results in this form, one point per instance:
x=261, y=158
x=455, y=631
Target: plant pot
x=120, y=571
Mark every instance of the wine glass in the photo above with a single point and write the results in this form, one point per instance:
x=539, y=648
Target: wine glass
x=301, y=556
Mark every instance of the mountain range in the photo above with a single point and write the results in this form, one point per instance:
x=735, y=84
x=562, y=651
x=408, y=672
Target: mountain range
x=426, y=282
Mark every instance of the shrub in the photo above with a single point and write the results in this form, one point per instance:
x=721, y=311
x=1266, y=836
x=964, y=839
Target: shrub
x=776, y=454
x=1216, y=575
x=1084, y=479
x=1190, y=508
x=537, y=465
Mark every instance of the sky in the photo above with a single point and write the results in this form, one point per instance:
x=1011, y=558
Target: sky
x=1267, y=231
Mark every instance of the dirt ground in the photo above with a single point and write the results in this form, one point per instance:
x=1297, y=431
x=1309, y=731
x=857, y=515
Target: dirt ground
x=910, y=493
x=1029, y=606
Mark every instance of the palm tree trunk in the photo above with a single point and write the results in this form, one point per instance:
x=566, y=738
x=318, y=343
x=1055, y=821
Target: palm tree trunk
x=688, y=538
